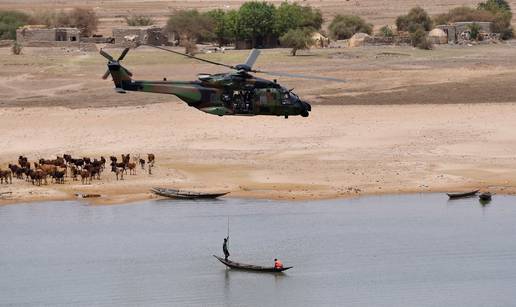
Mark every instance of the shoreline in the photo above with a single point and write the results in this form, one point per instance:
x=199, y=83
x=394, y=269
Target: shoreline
x=121, y=199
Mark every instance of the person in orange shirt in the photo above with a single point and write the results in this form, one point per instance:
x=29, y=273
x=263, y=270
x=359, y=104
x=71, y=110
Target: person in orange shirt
x=278, y=264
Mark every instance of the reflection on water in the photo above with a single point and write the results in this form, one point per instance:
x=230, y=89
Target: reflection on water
x=416, y=250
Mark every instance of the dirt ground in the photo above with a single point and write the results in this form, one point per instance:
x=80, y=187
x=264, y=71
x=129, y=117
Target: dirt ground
x=406, y=121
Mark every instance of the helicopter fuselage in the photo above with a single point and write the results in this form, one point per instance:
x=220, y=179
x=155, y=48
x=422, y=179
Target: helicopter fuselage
x=228, y=94
x=235, y=93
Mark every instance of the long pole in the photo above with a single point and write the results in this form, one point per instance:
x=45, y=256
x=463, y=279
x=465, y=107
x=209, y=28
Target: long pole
x=228, y=233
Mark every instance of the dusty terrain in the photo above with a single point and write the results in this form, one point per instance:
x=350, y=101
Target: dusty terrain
x=111, y=12
x=407, y=120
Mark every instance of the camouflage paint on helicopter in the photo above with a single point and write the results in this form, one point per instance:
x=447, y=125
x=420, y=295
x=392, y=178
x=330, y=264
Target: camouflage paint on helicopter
x=235, y=93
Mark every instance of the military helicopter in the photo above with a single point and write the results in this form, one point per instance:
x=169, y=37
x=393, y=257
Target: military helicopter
x=233, y=93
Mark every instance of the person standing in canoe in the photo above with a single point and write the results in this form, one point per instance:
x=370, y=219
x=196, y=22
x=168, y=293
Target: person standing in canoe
x=225, y=248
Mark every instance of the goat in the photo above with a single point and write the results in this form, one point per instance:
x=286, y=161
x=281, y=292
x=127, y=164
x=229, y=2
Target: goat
x=142, y=163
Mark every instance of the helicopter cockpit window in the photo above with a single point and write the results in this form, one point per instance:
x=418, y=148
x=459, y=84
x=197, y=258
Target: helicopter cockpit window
x=286, y=98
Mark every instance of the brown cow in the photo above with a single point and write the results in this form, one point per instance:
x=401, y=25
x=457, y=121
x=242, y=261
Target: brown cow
x=6, y=176
x=85, y=176
x=132, y=168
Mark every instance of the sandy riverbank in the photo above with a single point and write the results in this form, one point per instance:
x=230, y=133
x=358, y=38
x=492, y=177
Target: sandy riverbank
x=340, y=151
x=407, y=121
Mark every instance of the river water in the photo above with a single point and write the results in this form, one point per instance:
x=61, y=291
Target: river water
x=403, y=250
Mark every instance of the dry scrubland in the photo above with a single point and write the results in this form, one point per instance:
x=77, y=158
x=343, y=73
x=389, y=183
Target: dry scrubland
x=407, y=120
x=111, y=12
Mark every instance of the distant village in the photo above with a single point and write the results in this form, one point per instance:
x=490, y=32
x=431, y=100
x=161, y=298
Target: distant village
x=288, y=25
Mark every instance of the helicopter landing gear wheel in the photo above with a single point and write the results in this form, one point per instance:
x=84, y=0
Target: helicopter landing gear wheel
x=305, y=113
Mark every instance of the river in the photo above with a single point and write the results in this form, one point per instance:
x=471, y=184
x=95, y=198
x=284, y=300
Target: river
x=399, y=250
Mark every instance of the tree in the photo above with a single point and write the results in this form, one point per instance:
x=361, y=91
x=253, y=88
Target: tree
x=297, y=39
x=84, y=19
x=191, y=27
x=223, y=25
x=139, y=20
x=292, y=16
x=502, y=16
x=419, y=39
x=10, y=21
x=255, y=21
x=417, y=16
x=345, y=26
x=494, y=6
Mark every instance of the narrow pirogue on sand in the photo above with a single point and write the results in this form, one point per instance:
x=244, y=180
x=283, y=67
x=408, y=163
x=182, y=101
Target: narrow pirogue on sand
x=179, y=194
x=250, y=267
x=462, y=195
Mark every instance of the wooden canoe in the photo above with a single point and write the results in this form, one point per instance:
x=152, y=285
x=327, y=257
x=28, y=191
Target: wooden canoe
x=462, y=195
x=250, y=267
x=485, y=196
x=180, y=194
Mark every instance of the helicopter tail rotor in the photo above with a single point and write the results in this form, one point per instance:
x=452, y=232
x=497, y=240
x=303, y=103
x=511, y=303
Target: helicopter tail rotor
x=116, y=70
x=113, y=63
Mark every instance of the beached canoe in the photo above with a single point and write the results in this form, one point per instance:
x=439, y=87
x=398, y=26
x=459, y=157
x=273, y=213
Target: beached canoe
x=462, y=195
x=180, y=194
x=250, y=267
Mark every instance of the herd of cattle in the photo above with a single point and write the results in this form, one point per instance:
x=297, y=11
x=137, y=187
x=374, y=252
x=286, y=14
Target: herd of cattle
x=61, y=167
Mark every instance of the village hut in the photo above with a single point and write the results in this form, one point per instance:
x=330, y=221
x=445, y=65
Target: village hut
x=438, y=36
x=359, y=40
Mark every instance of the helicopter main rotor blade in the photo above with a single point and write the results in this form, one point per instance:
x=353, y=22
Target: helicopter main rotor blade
x=106, y=74
x=253, y=56
x=128, y=72
x=193, y=57
x=122, y=56
x=106, y=55
x=282, y=74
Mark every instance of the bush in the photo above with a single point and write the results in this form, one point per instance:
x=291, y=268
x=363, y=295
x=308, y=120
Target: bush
x=16, y=48
x=191, y=27
x=417, y=17
x=386, y=31
x=297, y=39
x=474, y=31
x=345, y=26
x=84, y=19
x=419, y=39
x=139, y=20
x=10, y=21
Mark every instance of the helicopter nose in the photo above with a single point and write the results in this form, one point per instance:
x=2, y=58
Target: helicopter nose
x=307, y=106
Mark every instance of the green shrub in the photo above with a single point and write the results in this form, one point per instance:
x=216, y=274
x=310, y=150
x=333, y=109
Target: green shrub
x=297, y=39
x=345, y=26
x=139, y=20
x=386, y=31
x=10, y=21
x=419, y=39
x=16, y=49
x=474, y=31
x=417, y=17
